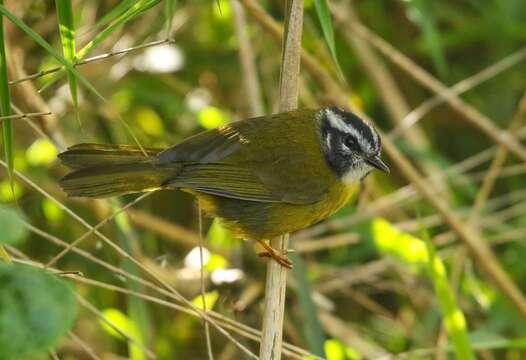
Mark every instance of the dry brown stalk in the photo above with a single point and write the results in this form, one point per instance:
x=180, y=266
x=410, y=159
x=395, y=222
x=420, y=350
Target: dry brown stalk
x=276, y=281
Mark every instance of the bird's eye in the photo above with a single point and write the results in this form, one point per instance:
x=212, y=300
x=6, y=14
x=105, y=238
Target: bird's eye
x=350, y=142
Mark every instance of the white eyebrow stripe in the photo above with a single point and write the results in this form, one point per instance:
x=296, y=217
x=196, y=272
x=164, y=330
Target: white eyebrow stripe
x=336, y=122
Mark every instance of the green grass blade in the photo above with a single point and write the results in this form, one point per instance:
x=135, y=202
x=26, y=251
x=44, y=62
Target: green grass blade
x=117, y=10
x=5, y=103
x=324, y=15
x=129, y=14
x=140, y=7
x=169, y=10
x=39, y=40
x=5, y=110
x=67, y=37
x=454, y=319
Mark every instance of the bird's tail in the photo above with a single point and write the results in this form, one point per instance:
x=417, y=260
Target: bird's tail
x=101, y=170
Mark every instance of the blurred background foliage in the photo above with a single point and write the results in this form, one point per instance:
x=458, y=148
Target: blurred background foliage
x=366, y=283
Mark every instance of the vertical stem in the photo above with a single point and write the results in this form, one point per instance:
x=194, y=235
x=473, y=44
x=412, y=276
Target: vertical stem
x=276, y=282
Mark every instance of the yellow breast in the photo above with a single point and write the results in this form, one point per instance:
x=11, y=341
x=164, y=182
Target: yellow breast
x=258, y=220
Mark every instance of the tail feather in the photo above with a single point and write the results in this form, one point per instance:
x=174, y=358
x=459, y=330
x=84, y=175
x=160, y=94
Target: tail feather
x=111, y=170
x=83, y=155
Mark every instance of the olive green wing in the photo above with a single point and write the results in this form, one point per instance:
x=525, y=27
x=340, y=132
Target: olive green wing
x=246, y=161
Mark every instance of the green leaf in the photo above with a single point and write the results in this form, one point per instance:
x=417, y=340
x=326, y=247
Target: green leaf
x=37, y=310
x=67, y=37
x=38, y=39
x=324, y=15
x=13, y=230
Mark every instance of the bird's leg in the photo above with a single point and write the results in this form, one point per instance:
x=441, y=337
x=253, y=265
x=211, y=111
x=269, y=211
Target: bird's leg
x=273, y=253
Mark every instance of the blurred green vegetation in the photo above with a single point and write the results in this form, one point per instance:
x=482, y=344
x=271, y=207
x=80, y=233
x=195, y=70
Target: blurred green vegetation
x=366, y=285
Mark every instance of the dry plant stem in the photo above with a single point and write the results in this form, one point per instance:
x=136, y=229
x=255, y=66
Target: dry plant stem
x=276, y=283
x=202, y=282
x=246, y=57
x=25, y=116
x=469, y=112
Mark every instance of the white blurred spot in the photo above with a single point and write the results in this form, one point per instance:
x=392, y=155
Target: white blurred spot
x=58, y=103
x=118, y=70
x=192, y=259
x=198, y=99
x=221, y=276
x=160, y=59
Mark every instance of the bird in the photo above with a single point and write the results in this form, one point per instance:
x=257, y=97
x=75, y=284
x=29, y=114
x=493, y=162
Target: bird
x=262, y=177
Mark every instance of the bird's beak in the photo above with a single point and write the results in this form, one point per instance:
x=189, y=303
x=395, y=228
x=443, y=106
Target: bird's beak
x=376, y=162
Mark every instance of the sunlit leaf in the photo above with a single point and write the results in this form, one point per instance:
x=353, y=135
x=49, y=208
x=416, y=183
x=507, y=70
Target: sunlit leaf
x=149, y=121
x=210, y=300
x=10, y=192
x=52, y=211
x=41, y=152
x=37, y=310
x=120, y=321
x=454, y=319
x=211, y=117
x=215, y=262
x=390, y=240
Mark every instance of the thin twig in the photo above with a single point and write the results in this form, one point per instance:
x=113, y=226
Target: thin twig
x=459, y=88
x=25, y=116
x=202, y=281
x=94, y=228
x=276, y=281
x=90, y=59
x=87, y=349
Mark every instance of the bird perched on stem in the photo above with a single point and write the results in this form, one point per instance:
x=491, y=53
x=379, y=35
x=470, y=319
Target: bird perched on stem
x=263, y=177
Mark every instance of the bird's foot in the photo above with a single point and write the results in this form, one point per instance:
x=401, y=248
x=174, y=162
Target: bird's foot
x=270, y=252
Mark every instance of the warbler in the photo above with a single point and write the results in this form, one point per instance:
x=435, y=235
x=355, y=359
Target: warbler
x=263, y=177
